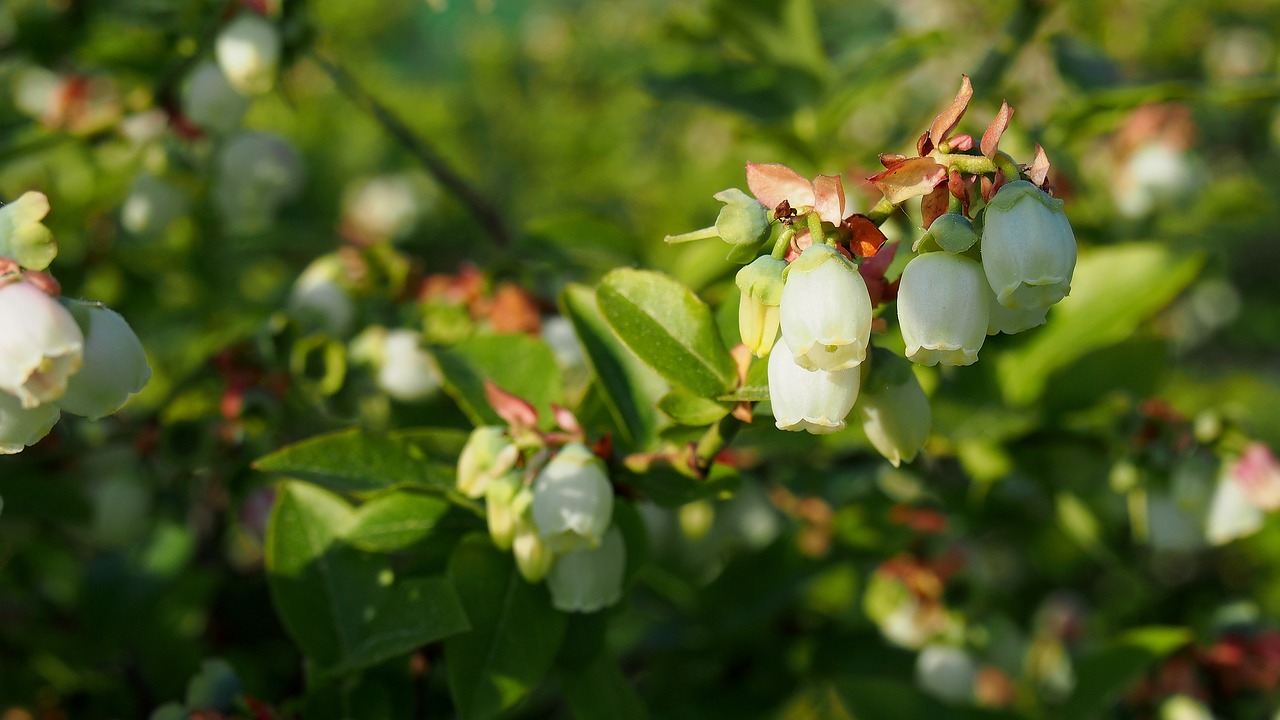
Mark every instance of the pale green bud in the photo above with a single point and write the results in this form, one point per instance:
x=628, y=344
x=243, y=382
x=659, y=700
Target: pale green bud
x=503, y=507
x=22, y=427
x=407, y=372
x=817, y=401
x=115, y=364
x=825, y=311
x=533, y=558
x=743, y=222
x=589, y=580
x=572, y=500
x=895, y=412
x=487, y=454
x=1028, y=248
x=758, y=312
x=952, y=232
x=23, y=238
x=942, y=309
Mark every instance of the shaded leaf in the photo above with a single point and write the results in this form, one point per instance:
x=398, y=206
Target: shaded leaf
x=355, y=461
x=395, y=521
x=689, y=409
x=521, y=365
x=599, y=691
x=1104, y=676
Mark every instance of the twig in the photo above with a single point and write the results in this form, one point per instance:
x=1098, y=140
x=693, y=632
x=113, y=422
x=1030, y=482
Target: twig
x=476, y=202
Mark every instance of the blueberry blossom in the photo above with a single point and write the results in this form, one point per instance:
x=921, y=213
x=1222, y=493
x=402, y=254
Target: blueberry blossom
x=825, y=310
x=1028, y=248
x=1001, y=319
x=505, y=499
x=533, y=558
x=115, y=365
x=942, y=309
x=590, y=579
x=758, y=312
x=41, y=345
x=814, y=400
x=894, y=410
x=406, y=371
x=572, y=500
x=23, y=238
x=22, y=427
x=487, y=455
x=209, y=101
x=248, y=51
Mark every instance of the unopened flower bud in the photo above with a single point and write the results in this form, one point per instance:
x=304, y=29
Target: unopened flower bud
x=506, y=499
x=23, y=238
x=533, y=558
x=825, y=310
x=115, y=364
x=814, y=400
x=487, y=454
x=952, y=232
x=319, y=299
x=591, y=579
x=1028, y=248
x=743, y=222
x=942, y=309
x=22, y=427
x=895, y=412
x=41, y=345
x=758, y=312
x=248, y=50
x=572, y=500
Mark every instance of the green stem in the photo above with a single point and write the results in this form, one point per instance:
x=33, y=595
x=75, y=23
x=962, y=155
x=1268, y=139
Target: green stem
x=881, y=211
x=475, y=201
x=815, y=228
x=703, y=234
x=1008, y=167
x=783, y=243
x=716, y=438
x=968, y=164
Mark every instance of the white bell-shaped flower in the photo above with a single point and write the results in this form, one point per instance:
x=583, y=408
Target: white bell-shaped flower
x=1028, y=248
x=572, y=500
x=825, y=310
x=895, y=412
x=758, y=314
x=1232, y=514
x=814, y=400
x=406, y=371
x=209, y=101
x=22, y=427
x=487, y=455
x=942, y=309
x=591, y=579
x=319, y=297
x=115, y=364
x=1009, y=321
x=248, y=51
x=947, y=673
x=41, y=345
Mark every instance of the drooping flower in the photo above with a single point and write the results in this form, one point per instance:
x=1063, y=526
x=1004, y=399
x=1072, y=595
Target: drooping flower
x=825, y=310
x=947, y=673
x=209, y=101
x=406, y=371
x=942, y=309
x=758, y=311
x=487, y=455
x=248, y=50
x=320, y=299
x=41, y=345
x=572, y=500
x=115, y=364
x=1028, y=248
x=23, y=238
x=23, y=427
x=588, y=580
x=1009, y=321
x=895, y=412
x=817, y=401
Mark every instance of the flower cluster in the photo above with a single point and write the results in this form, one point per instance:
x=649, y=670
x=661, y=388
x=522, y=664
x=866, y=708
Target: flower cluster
x=55, y=355
x=548, y=499
x=998, y=251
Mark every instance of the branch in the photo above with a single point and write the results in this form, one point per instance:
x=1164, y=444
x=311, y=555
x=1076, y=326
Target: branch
x=473, y=199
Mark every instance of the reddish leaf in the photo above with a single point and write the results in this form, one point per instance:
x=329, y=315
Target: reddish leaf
x=515, y=410
x=924, y=145
x=872, y=271
x=947, y=120
x=890, y=159
x=990, y=187
x=772, y=183
x=934, y=204
x=910, y=178
x=867, y=237
x=1039, y=172
x=565, y=419
x=960, y=143
x=828, y=198
x=991, y=138
x=960, y=189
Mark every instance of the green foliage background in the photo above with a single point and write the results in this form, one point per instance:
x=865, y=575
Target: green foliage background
x=134, y=563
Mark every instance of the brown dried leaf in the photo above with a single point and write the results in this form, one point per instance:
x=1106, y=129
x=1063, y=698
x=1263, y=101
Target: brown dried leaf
x=991, y=138
x=1039, y=171
x=514, y=409
x=947, y=120
x=890, y=159
x=924, y=145
x=772, y=184
x=910, y=178
x=867, y=237
x=990, y=187
x=960, y=189
x=934, y=204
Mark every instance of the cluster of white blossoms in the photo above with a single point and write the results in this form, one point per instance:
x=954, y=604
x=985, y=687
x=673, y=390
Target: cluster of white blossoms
x=55, y=354
x=553, y=509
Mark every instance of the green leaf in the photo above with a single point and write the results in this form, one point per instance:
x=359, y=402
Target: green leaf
x=395, y=521
x=514, y=636
x=665, y=324
x=689, y=409
x=756, y=387
x=627, y=385
x=599, y=691
x=1103, y=676
x=520, y=364
x=344, y=608
x=1114, y=290
x=670, y=488
x=356, y=461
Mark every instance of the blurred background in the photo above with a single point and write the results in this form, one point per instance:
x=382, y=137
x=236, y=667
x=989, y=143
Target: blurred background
x=449, y=166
